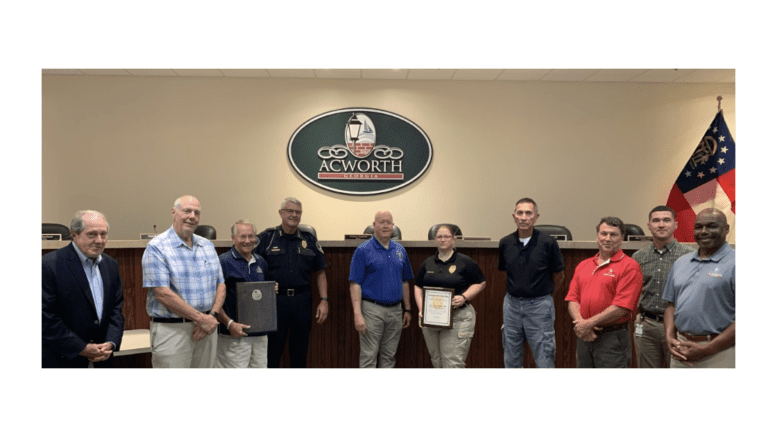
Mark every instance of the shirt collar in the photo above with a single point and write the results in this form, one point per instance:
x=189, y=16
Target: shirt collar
x=175, y=236
x=297, y=234
x=237, y=255
x=451, y=259
x=377, y=243
x=84, y=259
x=717, y=256
x=668, y=247
x=617, y=256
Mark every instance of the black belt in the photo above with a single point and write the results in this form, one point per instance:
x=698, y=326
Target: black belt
x=383, y=304
x=173, y=319
x=656, y=317
x=613, y=328
x=283, y=291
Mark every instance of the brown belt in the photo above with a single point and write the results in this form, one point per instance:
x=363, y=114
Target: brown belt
x=692, y=337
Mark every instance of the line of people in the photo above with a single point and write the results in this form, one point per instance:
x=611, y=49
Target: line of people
x=682, y=301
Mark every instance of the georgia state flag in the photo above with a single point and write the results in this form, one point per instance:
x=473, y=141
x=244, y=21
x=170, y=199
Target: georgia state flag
x=706, y=181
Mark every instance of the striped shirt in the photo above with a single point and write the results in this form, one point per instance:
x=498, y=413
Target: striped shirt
x=193, y=273
x=655, y=267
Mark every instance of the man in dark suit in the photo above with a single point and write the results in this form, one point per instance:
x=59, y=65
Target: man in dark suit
x=82, y=298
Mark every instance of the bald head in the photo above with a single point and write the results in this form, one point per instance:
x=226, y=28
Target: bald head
x=710, y=231
x=186, y=216
x=383, y=226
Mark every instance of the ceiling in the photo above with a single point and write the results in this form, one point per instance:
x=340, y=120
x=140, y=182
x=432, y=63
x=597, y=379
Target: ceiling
x=543, y=75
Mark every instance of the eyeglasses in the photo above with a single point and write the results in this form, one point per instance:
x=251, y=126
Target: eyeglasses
x=292, y=211
x=444, y=237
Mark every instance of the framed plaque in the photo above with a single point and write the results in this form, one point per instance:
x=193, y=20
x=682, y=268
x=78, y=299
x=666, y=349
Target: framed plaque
x=256, y=306
x=438, y=311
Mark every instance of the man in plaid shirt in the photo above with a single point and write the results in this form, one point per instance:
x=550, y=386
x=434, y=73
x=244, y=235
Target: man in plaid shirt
x=186, y=291
x=655, y=261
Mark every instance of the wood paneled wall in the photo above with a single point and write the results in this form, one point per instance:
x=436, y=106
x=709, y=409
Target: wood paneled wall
x=335, y=343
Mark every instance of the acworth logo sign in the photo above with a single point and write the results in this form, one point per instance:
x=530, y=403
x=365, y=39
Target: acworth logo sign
x=360, y=151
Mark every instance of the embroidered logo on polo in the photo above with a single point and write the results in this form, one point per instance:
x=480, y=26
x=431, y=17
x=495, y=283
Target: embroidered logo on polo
x=715, y=274
x=360, y=151
x=399, y=254
x=609, y=273
x=452, y=268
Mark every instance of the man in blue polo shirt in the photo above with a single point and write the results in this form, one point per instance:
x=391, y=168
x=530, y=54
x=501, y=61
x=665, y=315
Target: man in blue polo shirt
x=700, y=319
x=236, y=348
x=535, y=267
x=380, y=293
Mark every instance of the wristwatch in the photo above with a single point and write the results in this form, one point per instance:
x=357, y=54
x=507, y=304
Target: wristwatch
x=214, y=314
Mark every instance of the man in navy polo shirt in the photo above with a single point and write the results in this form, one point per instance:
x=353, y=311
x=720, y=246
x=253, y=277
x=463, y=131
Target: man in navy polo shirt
x=236, y=348
x=380, y=293
x=535, y=267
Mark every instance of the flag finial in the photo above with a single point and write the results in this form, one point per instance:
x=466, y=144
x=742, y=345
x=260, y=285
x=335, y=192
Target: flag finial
x=719, y=99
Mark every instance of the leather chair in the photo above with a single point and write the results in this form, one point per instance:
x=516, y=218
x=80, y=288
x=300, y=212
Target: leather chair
x=553, y=230
x=396, y=234
x=433, y=230
x=206, y=231
x=56, y=228
x=307, y=228
x=632, y=230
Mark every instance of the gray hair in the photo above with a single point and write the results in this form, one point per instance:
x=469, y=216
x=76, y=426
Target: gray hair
x=242, y=222
x=179, y=201
x=77, y=224
x=528, y=200
x=292, y=200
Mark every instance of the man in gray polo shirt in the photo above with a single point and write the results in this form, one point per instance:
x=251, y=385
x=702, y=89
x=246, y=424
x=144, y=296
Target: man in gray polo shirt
x=655, y=261
x=700, y=289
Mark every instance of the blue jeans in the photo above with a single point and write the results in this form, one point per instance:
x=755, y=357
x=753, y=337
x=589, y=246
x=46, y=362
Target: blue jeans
x=531, y=320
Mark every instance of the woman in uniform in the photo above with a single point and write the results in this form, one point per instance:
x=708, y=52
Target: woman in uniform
x=450, y=269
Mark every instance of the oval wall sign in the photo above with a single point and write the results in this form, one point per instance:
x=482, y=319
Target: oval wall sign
x=360, y=151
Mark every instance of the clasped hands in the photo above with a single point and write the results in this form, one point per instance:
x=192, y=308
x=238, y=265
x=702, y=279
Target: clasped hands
x=205, y=327
x=585, y=330
x=97, y=352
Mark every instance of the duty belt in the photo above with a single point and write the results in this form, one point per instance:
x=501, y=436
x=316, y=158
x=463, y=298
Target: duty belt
x=283, y=291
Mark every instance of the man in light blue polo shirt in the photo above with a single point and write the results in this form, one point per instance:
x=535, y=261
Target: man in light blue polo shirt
x=700, y=317
x=380, y=293
x=186, y=291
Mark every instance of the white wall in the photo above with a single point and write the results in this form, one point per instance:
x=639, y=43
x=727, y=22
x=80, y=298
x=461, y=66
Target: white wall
x=128, y=146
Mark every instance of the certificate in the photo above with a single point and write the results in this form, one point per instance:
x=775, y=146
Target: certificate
x=256, y=306
x=437, y=310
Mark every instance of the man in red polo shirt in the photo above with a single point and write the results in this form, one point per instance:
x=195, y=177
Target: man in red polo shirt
x=603, y=299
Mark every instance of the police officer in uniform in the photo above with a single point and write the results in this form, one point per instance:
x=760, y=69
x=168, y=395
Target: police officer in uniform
x=294, y=258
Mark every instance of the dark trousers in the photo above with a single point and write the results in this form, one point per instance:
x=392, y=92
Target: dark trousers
x=294, y=319
x=609, y=350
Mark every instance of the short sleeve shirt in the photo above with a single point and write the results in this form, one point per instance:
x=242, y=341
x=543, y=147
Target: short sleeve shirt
x=379, y=271
x=291, y=258
x=702, y=291
x=530, y=268
x=193, y=273
x=237, y=269
x=459, y=272
x=617, y=282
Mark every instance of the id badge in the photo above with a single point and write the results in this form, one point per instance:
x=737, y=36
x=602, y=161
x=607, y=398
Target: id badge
x=638, y=329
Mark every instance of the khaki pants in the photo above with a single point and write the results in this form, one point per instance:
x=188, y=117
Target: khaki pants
x=378, y=344
x=652, y=350
x=721, y=360
x=243, y=352
x=172, y=347
x=449, y=347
